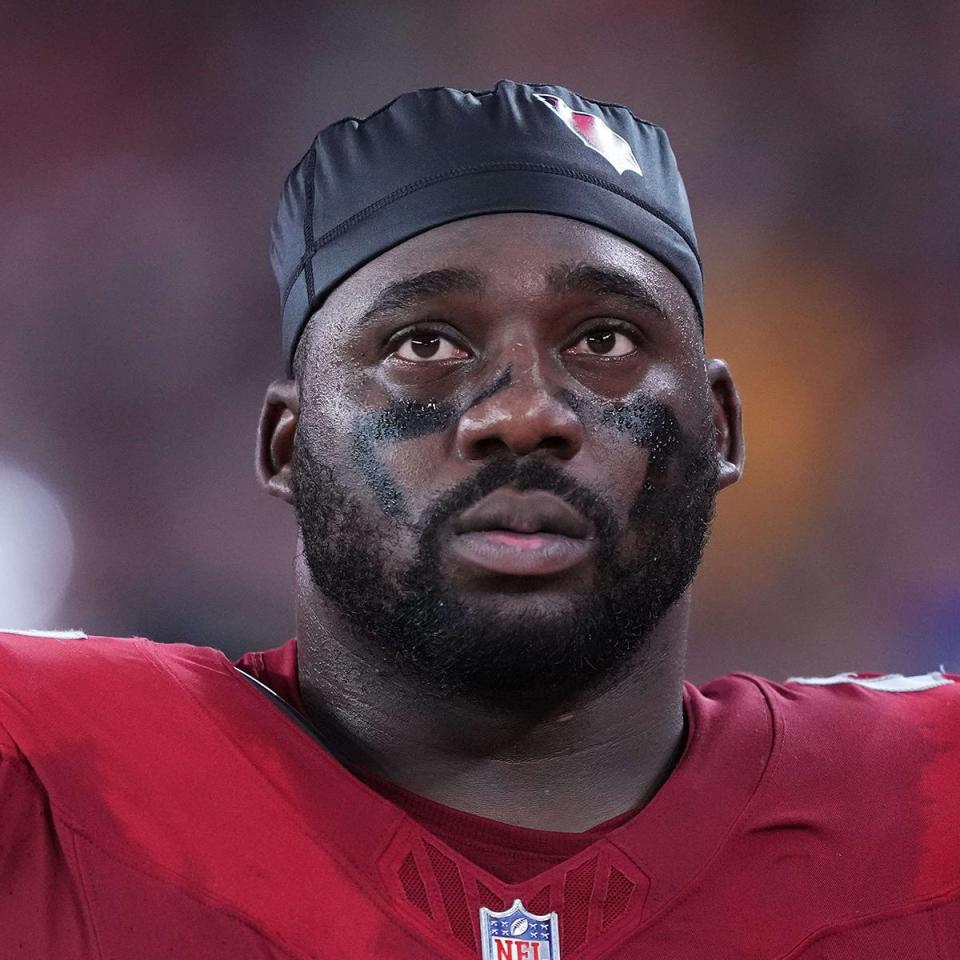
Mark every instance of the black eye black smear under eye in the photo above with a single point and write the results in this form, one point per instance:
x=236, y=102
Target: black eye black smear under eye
x=648, y=422
x=406, y=420
x=400, y=420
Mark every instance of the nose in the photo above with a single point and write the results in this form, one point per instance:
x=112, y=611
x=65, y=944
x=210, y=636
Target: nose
x=525, y=416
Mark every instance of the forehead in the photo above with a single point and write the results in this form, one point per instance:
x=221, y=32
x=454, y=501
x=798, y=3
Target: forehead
x=515, y=254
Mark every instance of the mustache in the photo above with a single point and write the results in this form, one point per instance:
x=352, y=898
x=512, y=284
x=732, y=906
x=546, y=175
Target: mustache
x=518, y=474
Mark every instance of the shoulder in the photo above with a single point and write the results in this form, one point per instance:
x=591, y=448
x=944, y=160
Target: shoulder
x=38, y=658
x=857, y=720
x=846, y=719
x=23, y=651
x=874, y=762
x=62, y=650
x=869, y=704
x=883, y=683
x=55, y=679
x=876, y=725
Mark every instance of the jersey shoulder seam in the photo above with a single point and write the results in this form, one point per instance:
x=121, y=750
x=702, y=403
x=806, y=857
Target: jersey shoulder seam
x=205, y=899
x=903, y=908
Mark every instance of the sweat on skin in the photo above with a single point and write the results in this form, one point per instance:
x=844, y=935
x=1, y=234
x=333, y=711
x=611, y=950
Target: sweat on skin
x=429, y=672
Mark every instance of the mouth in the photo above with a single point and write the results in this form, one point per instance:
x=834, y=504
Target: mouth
x=522, y=534
x=521, y=554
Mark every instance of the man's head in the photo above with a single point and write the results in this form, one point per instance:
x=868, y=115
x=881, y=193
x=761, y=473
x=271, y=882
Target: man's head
x=503, y=443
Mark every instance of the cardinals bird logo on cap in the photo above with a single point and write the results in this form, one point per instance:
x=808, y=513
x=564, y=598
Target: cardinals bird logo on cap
x=595, y=133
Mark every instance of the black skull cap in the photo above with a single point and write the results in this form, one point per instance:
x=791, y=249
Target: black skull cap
x=441, y=154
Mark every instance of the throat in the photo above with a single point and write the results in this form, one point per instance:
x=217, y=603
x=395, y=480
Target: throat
x=562, y=768
x=567, y=773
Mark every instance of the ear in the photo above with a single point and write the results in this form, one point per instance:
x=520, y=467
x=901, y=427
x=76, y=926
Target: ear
x=727, y=421
x=278, y=424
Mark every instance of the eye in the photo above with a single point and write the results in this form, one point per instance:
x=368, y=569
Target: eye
x=604, y=342
x=425, y=346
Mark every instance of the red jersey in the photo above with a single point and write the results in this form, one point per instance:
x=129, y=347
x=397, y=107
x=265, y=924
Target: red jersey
x=157, y=803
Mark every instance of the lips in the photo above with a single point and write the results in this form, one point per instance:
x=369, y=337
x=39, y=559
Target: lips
x=534, y=512
x=522, y=534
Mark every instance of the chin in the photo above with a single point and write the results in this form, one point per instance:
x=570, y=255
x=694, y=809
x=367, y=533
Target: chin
x=530, y=601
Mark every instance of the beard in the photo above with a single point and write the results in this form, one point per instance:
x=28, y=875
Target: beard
x=478, y=648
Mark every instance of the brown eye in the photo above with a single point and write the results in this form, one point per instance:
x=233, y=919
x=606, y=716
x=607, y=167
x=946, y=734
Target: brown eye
x=604, y=343
x=419, y=347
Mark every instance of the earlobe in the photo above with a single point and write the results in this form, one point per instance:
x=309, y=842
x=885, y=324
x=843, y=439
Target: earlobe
x=727, y=422
x=278, y=426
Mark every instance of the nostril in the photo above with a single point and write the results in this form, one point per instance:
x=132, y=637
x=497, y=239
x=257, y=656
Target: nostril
x=485, y=447
x=495, y=444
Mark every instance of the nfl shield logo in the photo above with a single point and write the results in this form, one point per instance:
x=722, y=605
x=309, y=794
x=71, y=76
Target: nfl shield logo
x=515, y=934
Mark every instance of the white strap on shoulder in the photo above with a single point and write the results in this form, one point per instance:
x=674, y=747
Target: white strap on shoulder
x=891, y=682
x=52, y=634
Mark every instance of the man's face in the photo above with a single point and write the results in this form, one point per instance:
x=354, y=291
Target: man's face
x=506, y=457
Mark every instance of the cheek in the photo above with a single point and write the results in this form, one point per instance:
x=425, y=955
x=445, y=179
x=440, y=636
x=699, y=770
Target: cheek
x=682, y=388
x=327, y=429
x=327, y=414
x=418, y=471
x=613, y=466
x=334, y=385
x=397, y=452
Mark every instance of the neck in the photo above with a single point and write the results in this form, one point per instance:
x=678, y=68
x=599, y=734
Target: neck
x=567, y=769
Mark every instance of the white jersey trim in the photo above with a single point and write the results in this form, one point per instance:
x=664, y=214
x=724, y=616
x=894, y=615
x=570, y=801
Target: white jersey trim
x=891, y=682
x=52, y=634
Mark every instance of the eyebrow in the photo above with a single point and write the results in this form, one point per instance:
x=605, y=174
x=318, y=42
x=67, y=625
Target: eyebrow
x=410, y=292
x=568, y=278
x=584, y=278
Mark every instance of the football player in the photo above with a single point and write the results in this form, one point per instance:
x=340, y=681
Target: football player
x=503, y=441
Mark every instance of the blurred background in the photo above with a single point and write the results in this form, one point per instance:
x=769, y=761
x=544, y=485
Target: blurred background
x=144, y=147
